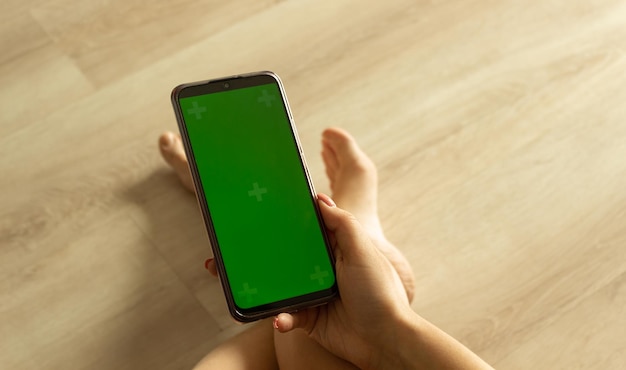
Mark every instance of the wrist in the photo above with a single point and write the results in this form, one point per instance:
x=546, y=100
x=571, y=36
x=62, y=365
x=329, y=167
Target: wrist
x=396, y=347
x=415, y=343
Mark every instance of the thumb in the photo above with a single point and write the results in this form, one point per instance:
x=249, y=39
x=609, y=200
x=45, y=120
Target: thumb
x=334, y=217
x=349, y=235
x=305, y=319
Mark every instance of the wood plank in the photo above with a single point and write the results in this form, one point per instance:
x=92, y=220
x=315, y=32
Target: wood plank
x=101, y=36
x=498, y=129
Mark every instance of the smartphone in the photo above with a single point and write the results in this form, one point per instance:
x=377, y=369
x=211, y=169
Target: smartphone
x=256, y=196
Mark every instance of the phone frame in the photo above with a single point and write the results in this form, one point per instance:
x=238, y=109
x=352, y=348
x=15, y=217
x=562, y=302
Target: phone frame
x=287, y=305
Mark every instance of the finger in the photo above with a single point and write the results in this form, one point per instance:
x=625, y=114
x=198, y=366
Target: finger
x=209, y=264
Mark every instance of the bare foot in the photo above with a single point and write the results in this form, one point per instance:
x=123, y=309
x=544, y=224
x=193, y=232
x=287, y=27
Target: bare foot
x=354, y=182
x=353, y=178
x=171, y=147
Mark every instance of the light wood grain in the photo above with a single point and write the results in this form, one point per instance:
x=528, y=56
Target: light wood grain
x=499, y=130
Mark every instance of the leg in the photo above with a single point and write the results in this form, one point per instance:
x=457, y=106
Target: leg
x=353, y=179
x=252, y=349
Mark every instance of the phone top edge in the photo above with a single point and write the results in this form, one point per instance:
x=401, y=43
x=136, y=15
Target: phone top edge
x=181, y=91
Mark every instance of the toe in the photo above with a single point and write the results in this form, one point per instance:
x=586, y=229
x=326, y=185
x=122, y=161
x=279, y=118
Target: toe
x=339, y=140
x=347, y=152
x=330, y=159
x=167, y=139
x=331, y=169
x=172, y=149
x=173, y=152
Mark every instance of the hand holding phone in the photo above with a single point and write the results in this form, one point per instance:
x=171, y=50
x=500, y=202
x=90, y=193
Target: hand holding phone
x=256, y=197
x=373, y=324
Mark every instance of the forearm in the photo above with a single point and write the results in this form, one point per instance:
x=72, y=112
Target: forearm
x=418, y=344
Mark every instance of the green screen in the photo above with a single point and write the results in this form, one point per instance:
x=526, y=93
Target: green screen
x=257, y=194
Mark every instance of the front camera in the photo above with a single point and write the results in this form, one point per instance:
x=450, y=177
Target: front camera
x=226, y=85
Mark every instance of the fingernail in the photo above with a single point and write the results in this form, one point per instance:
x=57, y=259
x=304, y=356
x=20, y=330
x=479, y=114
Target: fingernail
x=206, y=263
x=275, y=323
x=326, y=199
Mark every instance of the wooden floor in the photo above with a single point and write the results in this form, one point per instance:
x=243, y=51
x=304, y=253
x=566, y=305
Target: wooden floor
x=498, y=127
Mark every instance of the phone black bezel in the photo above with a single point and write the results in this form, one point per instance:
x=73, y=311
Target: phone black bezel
x=239, y=82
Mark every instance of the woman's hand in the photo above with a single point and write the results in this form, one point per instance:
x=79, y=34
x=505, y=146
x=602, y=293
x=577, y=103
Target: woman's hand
x=355, y=327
